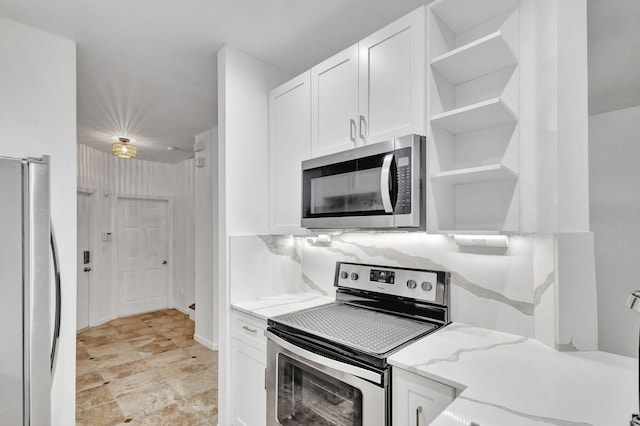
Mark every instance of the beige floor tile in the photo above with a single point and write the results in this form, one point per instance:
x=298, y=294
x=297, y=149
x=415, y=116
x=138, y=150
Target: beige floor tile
x=138, y=382
x=84, y=366
x=145, y=369
x=121, y=371
x=205, y=403
x=113, y=359
x=90, y=341
x=195, y=383
x=174, y=414
x=93, y=397
x=165, y=358
x=185, y=367
x=88, y=380
x=131, y=326
x=158, y=346
x=102, y=415
x=101, y=330
x=113, y=347
x=136, y=404
x=81, y=352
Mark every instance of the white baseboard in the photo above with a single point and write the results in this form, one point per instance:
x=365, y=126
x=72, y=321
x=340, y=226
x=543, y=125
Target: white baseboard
x=102, y=321
x=205, y=342
x=181, y=309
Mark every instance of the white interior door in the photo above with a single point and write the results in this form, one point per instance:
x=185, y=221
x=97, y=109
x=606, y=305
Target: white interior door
x=84, y=269
x=142, y=256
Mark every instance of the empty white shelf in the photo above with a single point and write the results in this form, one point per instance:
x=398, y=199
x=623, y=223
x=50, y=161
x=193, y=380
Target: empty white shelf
x=492, y=112
x=461, y=15
x=475, y=174
x=475, y=59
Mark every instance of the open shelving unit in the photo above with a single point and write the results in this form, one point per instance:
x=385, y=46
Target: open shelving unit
x=473, y=98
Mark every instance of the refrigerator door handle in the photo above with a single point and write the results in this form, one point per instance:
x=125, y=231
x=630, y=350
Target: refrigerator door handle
x=56, y=330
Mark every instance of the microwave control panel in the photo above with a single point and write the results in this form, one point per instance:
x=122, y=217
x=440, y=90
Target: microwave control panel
x=403, y=167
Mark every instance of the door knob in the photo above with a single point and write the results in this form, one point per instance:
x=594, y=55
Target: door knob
x=87, y=269
x=164, y=262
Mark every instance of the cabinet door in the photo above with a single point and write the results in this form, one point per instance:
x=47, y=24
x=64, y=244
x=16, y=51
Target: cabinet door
x=289, y=144
x=417, y=400
x=392, y=80
x=247, y=382
x=334, y=103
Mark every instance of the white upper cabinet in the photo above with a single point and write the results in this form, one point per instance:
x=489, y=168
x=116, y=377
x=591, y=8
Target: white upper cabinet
x=289, y=145
x=334, y=109
x=372, y=91
x=392, y=80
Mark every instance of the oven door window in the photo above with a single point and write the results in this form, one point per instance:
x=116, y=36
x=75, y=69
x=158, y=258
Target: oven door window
x=307, y=396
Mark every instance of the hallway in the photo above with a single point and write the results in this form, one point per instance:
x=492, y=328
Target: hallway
x=145, y=369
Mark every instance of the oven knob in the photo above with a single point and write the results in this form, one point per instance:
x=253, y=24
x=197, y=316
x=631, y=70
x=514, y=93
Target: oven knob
x=354, y=276
x=344, y=275
x=426, y=286
x=411, y=284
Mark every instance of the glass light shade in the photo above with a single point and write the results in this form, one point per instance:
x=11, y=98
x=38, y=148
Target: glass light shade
x=124, y=148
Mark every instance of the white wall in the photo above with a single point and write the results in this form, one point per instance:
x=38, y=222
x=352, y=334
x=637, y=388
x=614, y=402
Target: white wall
x=242, y=190
x=614, y=150
x=184, y=248
x=38, y=116
x=205, y=183
x=109, y=177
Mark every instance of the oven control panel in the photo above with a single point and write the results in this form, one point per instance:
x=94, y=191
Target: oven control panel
x=403, y=282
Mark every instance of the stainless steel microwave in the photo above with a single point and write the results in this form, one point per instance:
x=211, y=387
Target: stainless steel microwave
x=375, y=186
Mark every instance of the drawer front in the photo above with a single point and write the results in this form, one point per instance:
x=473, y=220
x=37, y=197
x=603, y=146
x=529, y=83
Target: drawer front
x=249, y=330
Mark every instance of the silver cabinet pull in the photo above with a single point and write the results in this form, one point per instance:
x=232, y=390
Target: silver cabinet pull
x=352, y=130
x=249, y=329
x=87, y=269
x=418, y=411
x=363, y=124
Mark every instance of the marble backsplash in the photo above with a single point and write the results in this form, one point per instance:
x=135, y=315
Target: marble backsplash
x=497, y=289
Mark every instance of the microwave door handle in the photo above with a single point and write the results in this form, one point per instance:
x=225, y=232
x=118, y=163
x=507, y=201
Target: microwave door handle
x=385, y=189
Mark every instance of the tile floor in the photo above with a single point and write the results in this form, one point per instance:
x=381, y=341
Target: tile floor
x=145, y=369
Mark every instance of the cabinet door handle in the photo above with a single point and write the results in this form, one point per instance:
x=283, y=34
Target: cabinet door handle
x=352, y=130
x=249, y=329
x=418, y=411
x=363, y=131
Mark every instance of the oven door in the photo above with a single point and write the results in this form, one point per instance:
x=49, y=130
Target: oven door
x=304, y=388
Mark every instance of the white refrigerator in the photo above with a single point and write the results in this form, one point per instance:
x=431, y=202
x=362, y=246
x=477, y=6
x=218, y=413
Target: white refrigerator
x=29, y=293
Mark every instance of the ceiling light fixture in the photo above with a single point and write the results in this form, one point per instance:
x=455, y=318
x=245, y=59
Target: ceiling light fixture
x=124, y=148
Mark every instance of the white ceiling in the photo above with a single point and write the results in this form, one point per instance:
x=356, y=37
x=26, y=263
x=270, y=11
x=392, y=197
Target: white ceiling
x=614, y=54
x=147, y=68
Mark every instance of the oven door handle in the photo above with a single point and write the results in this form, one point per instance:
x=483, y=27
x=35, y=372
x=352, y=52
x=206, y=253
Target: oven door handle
x=327, y=362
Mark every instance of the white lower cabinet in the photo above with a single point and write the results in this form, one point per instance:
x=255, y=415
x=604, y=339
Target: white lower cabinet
x=416, y=400
x=248, y=363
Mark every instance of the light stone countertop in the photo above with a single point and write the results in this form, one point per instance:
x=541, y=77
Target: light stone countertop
x=513, y=380
x=266, y=307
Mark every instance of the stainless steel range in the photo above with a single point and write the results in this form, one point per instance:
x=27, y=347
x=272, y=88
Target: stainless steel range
x=328, y=365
